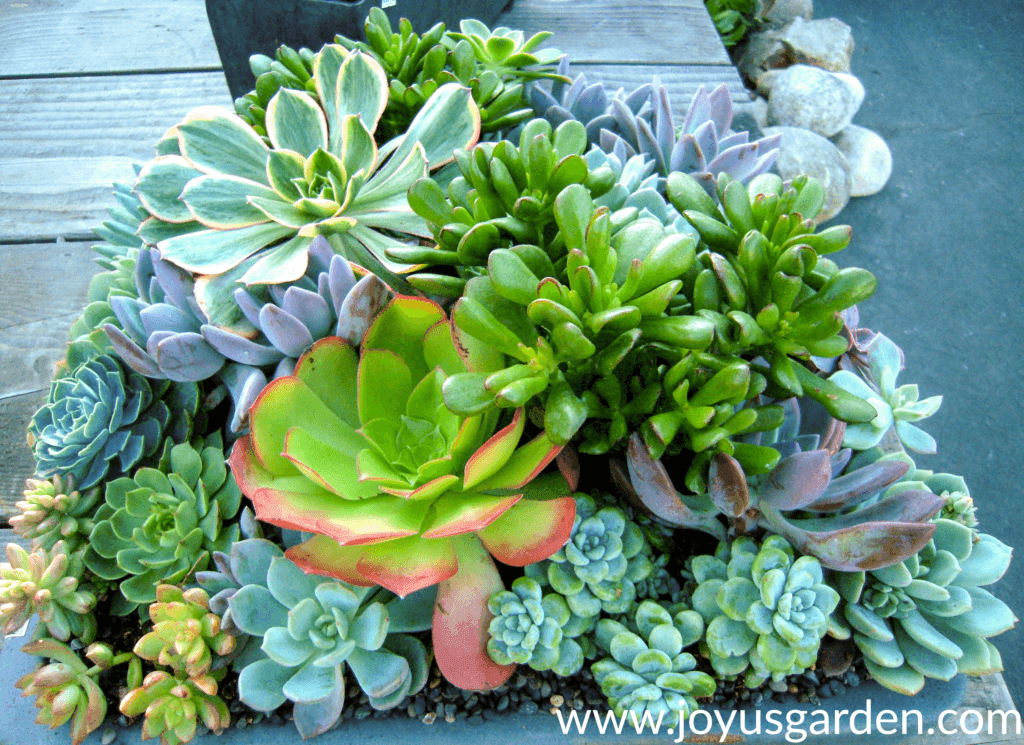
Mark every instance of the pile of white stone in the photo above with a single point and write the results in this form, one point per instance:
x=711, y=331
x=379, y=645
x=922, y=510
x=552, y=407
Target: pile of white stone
x=801, y=70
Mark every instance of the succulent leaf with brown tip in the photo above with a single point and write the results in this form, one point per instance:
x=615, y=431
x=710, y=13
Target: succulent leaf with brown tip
x=185, y=635
x=55, y=511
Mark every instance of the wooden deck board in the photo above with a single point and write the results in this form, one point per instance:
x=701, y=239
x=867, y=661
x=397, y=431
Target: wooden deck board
x=16, y=461
x=55, y=37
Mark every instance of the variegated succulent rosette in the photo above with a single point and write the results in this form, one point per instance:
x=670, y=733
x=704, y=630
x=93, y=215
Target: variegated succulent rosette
x=427, y=353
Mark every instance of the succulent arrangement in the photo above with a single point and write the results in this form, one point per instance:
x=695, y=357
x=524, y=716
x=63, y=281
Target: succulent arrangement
x=421, y=306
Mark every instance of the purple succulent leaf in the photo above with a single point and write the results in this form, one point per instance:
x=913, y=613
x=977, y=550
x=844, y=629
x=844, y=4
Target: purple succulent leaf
x=557, y=86
x=240, y=349
x=571, y=95
x=790, y=427
x=276, y=293
x=617, y=146
x=649, y=146
x=840, y=460
x=594, y=127
x=366, y=300
x=797, y=481
x=145, y=281
x=763, y=163
x=720, y=101
x=131, y=353
x=871, y=545
x=789, y=447
x=222, y=562
x=637, y=98
x=707, y=140
x=706, y=181
x=664, y=127
x=651, y=488
x=854, y=488
x=727, y=485
x=128, y=312
x=686, y=155
x=177, y=284
x=285, y=331
x=556, y=115
x=188, y=358
x=541, y=100
x=340, y=280
x=308, y=306
x=165, y=317
x=626, y=121
x=699, y=111
x=244, y=383
x=249, y=305
x=320, y=255
x=285, y=367
x=154, y=339
x=737, y=161
x=907, y=506
x=591, y=104
x=736, y=138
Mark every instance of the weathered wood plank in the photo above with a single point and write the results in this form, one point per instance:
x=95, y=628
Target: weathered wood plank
x=672, y=32
x=680, y=81
x=16, y=461
x=9, y=536
x=67, y=140
x=47, y=37
x=29, y=354
x=43, y=281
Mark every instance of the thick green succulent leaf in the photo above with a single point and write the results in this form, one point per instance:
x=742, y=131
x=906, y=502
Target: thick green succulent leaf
x=216, y=251
x=295, y=122
x=222, y=201
x=448, y=121
x=160, y=184
x=217, y=141
x=361, y=90
x=902, y=679
x=260, y=684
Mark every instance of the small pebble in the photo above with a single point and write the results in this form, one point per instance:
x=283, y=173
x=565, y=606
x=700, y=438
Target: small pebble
x=450, y=720
x=529, y=708
x=363, y=711
x=557, y=700
x=476, y=719
x=811, y=678
x=793, y=689
x=779, y=686
x=852, y=679
x=545, y=689
x=241, y=724
x=449, y=710
x=420, y=705
x=109, y=735
x=429, y=717
x=435, y=682
x=757, y=698
x=825, y=691
x=502, y=703
x=490, y=715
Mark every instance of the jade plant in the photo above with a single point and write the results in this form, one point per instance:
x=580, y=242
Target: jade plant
x=396, y=489
x=312, y=627
x=241, y=209
x=173, y=706
x=929, y=616
x=598, y=569
x=55, y=510
x=47, y=583
x=648, y=671
x=734, y=19
x=528, y=629
x=100, y=420
x=67, y=689
x=160, y=525
x=766, y=610
x=185, y=635
x=894, y=405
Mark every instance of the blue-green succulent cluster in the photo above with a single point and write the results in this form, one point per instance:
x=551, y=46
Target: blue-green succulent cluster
x=929, y=616
x=597, y=570
x=527, y=628
x=101, y=420
x=312, y=627
x=766, y=610
x=648, y=671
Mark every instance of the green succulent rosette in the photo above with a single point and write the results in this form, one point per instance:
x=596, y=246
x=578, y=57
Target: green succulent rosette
x=928, y=616
x=174, y=706
x=359, y=449
x=54, y=511
x=101, y=420
x=161, y=525
x=766, y=611
x=527, y=629
x=312, y=627
x=598, y=568
x=185, y=635
x=648, y=671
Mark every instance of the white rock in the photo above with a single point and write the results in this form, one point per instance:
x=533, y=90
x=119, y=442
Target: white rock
x=804, y=152
x=868, y=157
x=825, y=43
x=810, y=98
x=853, y=83
x=784, y=11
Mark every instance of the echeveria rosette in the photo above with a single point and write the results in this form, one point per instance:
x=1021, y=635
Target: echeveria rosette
x=360, y=450
x=894, y=405
x=527, y=629
x=100, y=420
x=185, y=635
x=766, y=285
x=929, y=616
x=66, y=688
x=160, y=525
x=47, y=583
x=598, y=568
x=635, y=187
x=648, y=671
x=311, y=627
x=173, y=706
x=765, y=610
x=247, y=563
x=55, y=510
x=505, y=197
x=228, y=195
